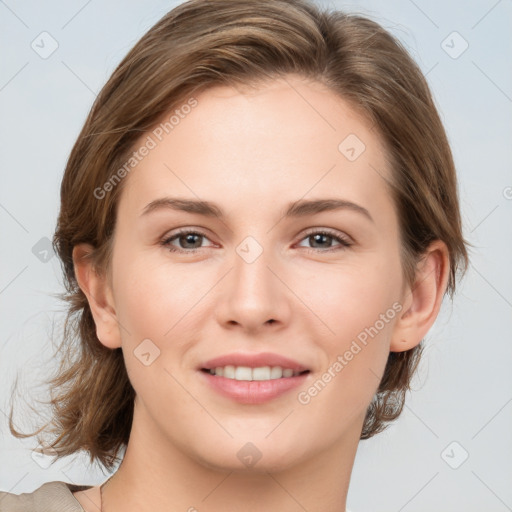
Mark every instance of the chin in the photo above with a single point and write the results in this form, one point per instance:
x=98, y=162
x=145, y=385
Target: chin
x=241, y=455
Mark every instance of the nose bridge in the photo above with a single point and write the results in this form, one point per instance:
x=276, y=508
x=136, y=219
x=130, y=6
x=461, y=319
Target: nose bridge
x=255, y=295
x=253, y=280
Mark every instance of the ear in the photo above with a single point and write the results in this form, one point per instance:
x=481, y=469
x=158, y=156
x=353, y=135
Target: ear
x=422, y=301
x=97, y=289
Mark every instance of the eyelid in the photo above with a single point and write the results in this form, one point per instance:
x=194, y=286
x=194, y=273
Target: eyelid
x=328, y=231
x=167, y=238
x=344, y=240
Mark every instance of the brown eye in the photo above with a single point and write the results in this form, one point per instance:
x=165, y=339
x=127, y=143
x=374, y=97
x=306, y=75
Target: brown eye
x=187, y=241
x=324, y=239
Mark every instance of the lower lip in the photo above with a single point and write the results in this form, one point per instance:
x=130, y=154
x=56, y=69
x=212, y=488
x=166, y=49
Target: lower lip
x=253, y=391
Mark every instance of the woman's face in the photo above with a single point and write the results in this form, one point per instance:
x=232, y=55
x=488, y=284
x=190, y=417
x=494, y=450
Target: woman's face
x=251, y=283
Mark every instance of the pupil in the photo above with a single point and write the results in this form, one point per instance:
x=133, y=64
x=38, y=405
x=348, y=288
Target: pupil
x=190, y=238
x=318, y=237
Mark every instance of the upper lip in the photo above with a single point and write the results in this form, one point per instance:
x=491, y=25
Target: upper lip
x=253, y=360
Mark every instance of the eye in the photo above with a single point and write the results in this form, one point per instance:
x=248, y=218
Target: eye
x=323, y=240
x=188, y=240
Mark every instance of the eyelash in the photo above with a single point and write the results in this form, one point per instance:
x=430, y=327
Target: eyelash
x=343, y=241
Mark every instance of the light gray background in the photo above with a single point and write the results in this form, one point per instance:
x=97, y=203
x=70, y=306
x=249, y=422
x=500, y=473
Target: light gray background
x=463, y=392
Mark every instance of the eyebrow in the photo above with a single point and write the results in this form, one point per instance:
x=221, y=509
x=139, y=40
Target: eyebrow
x=300, y=208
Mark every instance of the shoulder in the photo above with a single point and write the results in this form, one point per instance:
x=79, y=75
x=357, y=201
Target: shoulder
x=50, y=497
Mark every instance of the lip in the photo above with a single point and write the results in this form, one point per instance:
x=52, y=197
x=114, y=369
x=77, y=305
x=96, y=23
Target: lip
x=252, y=391
x=255, y=391
x=253, y=361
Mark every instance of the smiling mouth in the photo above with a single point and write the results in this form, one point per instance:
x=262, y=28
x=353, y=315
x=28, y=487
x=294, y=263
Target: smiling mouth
x=246, y=373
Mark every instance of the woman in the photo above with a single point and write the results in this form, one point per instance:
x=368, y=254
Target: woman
x=300, y=153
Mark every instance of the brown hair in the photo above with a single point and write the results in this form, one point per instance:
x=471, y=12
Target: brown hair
x=197, y=45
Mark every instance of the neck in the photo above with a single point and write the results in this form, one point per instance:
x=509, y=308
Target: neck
x=154, y=479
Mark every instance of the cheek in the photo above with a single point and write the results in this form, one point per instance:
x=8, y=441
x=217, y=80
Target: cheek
x=359, y=305
x=154, y=306
x=154, y=298
x=350, y=298
x=356, y=356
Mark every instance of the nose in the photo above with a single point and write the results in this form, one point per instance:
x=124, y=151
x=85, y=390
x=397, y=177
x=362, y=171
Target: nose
x=253, y=295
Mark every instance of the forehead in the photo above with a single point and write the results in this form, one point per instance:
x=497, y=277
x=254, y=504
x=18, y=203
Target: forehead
x=284, y=140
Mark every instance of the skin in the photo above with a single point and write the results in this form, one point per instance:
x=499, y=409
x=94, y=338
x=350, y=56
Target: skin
x=252, y=152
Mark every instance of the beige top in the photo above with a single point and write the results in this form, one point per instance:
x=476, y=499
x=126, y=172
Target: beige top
x=50, y=497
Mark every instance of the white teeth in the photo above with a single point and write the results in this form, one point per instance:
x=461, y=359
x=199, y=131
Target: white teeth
x=243, y=373
x=247, y=373
x=229, y=372
x=276, y=372
x=261, y=373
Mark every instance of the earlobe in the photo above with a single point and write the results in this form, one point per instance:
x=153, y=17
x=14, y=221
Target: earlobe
x=423, y=300
x=99, y=296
